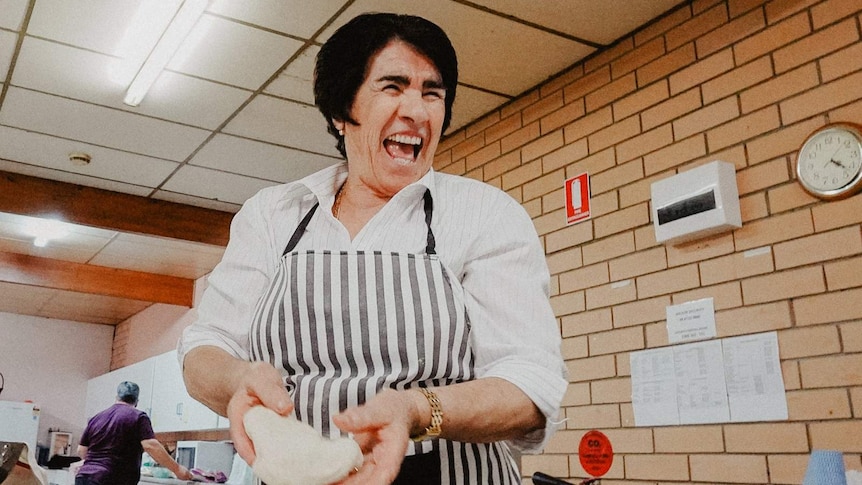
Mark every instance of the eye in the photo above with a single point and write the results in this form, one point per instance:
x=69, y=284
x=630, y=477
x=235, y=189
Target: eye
x=392, y=88
x=435, y=94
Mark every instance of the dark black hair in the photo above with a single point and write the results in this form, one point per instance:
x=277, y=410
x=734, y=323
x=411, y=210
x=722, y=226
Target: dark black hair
x=343, y=61
x=128, y=392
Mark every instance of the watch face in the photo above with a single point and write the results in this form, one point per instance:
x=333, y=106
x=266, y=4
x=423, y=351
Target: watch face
x=830, y=161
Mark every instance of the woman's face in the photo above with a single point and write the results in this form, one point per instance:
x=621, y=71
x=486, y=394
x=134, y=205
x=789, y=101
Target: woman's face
x=399, y=109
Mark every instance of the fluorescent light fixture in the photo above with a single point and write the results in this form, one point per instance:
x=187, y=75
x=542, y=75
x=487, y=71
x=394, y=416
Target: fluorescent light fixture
x=45, y=230
x=180, y=26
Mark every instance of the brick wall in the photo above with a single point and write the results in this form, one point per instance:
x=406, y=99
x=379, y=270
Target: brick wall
x=742, y=81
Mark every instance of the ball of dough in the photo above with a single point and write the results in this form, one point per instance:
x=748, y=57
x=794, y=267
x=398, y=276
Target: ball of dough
x=293, y=453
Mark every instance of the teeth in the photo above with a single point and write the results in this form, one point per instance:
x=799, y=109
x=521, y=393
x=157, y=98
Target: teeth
x=407, y=140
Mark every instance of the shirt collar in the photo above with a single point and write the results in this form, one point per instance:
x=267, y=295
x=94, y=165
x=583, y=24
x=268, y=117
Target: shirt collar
x=324, y=183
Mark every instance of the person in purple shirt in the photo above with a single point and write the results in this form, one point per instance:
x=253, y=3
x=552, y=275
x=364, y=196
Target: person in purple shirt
x=114, y=440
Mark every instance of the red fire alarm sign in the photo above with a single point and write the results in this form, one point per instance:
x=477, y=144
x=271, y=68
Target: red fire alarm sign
x=577, y=191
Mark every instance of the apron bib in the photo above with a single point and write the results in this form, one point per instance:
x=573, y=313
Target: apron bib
x=342, y=325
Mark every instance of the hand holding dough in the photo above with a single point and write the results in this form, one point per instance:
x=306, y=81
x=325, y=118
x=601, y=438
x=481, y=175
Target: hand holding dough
x=293, y=453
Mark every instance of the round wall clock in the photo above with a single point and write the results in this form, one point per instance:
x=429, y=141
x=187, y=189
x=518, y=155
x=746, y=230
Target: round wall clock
x=829, y=165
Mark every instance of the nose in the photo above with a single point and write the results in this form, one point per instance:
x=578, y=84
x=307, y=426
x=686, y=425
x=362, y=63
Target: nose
x=414, y=106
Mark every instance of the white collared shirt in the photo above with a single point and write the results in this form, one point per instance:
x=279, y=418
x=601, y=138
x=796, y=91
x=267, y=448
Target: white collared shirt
x=482, y=235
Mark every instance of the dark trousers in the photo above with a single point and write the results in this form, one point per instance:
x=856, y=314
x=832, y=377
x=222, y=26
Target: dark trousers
x=420, y=470
x=85, y=480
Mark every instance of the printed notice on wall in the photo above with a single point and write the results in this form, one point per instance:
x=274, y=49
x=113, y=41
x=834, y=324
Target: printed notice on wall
x=729, y=380
x=755, y=385
x=654, y=387
x=694, y=320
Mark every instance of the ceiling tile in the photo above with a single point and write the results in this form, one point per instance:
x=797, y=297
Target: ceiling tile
x=159, y=255
x=23, y=298
x=84, y=307
x=87, y=76
x=296, y=81
x=232, y=53
x=283, y=123
x=77, y=244
x=471, y=104
x=296, y=17
x=52, y=152
x=7, y=48
x=12, y=13
x=211, y=184
x=482, y=40
x=257, y=159
x=98, y=125
x=600, y=22
x=73, y=178
x=206, y=203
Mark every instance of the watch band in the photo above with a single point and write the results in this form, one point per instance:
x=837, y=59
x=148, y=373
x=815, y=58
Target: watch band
x=436, y=426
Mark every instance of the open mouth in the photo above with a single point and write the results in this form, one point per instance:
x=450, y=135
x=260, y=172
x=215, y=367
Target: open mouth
x=403, y=148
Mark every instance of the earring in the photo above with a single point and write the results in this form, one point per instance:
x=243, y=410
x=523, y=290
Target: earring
x=341, y=132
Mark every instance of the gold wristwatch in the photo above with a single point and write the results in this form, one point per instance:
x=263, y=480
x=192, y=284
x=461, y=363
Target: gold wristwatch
x=436, y=426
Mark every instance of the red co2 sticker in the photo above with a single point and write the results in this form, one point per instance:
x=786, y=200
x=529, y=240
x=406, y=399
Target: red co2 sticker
x=595, y=453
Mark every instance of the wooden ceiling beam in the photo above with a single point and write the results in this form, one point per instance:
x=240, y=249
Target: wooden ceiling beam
x=36, y=197
x=99, y=280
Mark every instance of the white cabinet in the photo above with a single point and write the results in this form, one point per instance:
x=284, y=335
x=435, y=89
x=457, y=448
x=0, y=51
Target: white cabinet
x=163, y=395
x=172, y=407
x=102, y=390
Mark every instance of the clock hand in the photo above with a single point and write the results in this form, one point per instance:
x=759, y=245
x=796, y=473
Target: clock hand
x=836, y=162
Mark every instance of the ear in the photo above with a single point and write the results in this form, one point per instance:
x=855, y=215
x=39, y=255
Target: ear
x=339, y=125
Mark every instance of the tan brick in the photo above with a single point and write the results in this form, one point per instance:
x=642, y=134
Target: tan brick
x=587, y=84
x=564, y=441
x=727, y=295
x=701, y=71
x=520, y=137
x=705, y=118
x=618, y=340
x=837, y=214
x=740, y=7
x=851, y=336
x=622, y=220
x=611, y=92
x=636, y=58
x=468, y=146
x=666, y=65
x=818, y=404
x=781, y=285
x=585, y=277
x=753, y=207
x=837, y=435
x=546, y=184
x=500, y=165
x=779, y=88
x=771, y=438
x=841, y=275
x=776, y=11
x=645, y=143
x=730, y=33
x=816, y=45
x=503, y=127
x=587, y=125
x=548, y=223
x=604, y=57
x=638, y=264
x=833, y=10
x=675, y=155
x=564, y=260
x=611, y=294
x=481, y=124
x=456, y=168
x=700, y=250
x=593, y=416
x=482, y=156
x=640, y=312
x=564, y=79
x=563, y=116
x=737, y=80
x=820, y=247
x=574, y=348
x=670, y=281
x=790, y=373
x=825, y=97
x=630, y=440
x=617, y=177
x=608, y=248
x=550, y=203
x=831, y=371
x=753, y=319
x=774, y=37
x=568, y=303
x=780, y=142
x=554, y=465
x=568, y=237
x=671, y=109
x=637, y=192
x=566, y=155
x=787, y=468
x=697, y=26
x=656, y=335
x=645, y=238
x=744, y=128
x=515, y=106
x=842, y=62
x=788, y=197
x=777, y=228
x=591, y=368
x=613, y=134
x=447, y=142
x=608, y=391
x=762, y=176
x=656, y=467
x=640, y=100
x=603, y=204
x=577, y=394
x=663, y=24
x=829, y=307
x=856, y=399
x=552, y=102
x=809, y=341
x=728, y=468
x=593, y=164
x=688, y=439
x=521, y=175
x=586, y=322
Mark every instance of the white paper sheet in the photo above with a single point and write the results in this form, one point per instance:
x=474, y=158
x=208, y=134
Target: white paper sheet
x=701, y=392
x=654, y=387
x=690, y=321
x=755, y=385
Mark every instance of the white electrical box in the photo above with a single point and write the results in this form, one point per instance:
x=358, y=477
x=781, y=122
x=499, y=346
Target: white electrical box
x=696, y=203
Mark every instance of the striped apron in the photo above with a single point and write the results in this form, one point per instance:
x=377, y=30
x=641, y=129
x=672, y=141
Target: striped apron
x=341, y=326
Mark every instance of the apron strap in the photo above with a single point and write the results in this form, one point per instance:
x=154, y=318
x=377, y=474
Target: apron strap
x=430, y=244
